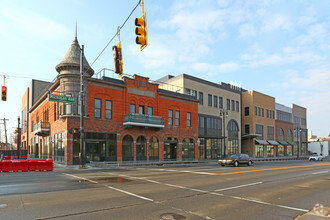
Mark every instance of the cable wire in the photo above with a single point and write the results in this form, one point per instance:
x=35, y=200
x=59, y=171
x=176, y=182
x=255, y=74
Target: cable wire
x=116, y=32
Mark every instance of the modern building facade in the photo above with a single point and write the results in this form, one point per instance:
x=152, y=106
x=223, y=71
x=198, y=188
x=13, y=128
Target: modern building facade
x=219, y=113
x=258, y=123
x=284, y=131
x=300, y=128
x=124, y=120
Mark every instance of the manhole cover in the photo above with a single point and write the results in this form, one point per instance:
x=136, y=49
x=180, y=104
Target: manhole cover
x=172, y=216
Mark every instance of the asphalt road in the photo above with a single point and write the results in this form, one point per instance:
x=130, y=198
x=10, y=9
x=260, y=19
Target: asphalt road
x=266, y=190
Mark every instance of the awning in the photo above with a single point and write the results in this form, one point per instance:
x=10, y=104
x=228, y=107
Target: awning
x=273, y=142
x=283, y=142
x=292, y=143
x=262, y=142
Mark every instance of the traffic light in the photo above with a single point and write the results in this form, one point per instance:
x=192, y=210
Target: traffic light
x=118, y=59
x=141, y=31
x=4, y=93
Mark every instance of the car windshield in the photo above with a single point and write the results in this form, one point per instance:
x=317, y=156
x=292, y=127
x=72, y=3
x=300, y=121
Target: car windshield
x=234, y=156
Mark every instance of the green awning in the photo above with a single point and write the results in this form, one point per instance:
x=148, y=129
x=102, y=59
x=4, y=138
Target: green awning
x=283, y=143
x=292, y=143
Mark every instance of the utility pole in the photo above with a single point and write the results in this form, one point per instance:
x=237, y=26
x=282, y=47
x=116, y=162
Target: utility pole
x=82, y=108
x=4, y=123
x=18, y=137
x=223, y=115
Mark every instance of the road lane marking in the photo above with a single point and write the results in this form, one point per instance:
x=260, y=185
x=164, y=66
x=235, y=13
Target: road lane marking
x=267, y=203
x=320, y=172
x=267, y=169
x=82, y=178
x=3, y=206
x=132, y=194
x=185, y=171
x=235, y=187
x=214, y=193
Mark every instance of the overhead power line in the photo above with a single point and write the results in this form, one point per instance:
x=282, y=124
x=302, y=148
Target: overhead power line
x=116, y=32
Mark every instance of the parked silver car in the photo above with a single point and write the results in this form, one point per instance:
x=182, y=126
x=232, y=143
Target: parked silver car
x=236, y=160
x=315, y=157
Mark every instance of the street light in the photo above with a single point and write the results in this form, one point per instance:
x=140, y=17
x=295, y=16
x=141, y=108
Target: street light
x=18, y=136
x=298, y=130
x=223, y=115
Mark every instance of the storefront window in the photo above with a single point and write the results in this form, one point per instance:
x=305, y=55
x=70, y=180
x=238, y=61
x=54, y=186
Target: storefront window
x=59, y=147
x=45, y=151
x=280, y=150
x=141, y=148
x=188, y=149
x=259, y=151
x=128, y=148
x=153, y=149
x=289, y=150
x=201, y=148
x=270, y=150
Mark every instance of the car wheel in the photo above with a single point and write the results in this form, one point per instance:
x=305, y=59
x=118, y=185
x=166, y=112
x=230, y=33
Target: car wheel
x=249, y=163
x=222, y=165
x=236, y=164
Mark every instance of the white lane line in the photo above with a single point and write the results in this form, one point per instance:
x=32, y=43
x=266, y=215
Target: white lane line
x=235, y=187
x=267, y=203
x=185, y=171
x=218, y=194
x=82, y=178
x=132, y=194
x=320, y=172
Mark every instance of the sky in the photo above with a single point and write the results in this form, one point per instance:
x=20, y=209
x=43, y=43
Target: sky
x=277, y=47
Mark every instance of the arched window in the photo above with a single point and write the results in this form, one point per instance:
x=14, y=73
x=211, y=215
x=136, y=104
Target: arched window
x=188, y=149
x=141, y=148
x=128, y=148
x=280, y=134
x=232, y=128
x=153, y=148
x=289, y=138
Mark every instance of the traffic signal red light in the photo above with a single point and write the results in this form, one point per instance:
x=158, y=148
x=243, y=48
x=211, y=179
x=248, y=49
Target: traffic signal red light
x=4, y=93
x=118, y=59
x=141, y=31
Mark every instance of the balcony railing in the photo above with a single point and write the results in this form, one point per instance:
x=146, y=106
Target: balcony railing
x=132, y=120
x=42, y=128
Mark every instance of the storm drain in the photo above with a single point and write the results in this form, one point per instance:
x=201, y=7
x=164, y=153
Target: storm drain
x=172, y=216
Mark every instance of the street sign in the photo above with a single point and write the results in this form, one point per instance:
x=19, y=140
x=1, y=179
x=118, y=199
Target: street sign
x=59, y=98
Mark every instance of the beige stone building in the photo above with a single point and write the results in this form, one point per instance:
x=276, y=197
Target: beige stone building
x=258, y=124
x=300, y=128
x=219, y=113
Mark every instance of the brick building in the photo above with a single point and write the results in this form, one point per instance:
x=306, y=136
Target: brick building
x=125, y=120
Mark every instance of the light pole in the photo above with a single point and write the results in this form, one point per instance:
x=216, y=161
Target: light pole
x=298, y=130
x=223, y=115
x=82, y=109
x=18, y=137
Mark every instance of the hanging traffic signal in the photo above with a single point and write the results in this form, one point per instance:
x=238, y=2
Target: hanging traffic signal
x=4, y=93
x=118, y=59
x=141, y=31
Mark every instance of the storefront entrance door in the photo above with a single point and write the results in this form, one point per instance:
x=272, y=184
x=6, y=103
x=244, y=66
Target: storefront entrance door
x=93, y=150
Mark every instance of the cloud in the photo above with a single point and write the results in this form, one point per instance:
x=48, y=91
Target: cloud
x=221, y=68
x=247, y=30
x=31, y=24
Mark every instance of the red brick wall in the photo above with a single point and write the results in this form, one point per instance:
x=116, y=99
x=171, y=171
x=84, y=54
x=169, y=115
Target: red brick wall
x=285, y=126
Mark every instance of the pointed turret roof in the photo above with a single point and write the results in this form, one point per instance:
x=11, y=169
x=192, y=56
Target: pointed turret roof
x=71, y=59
